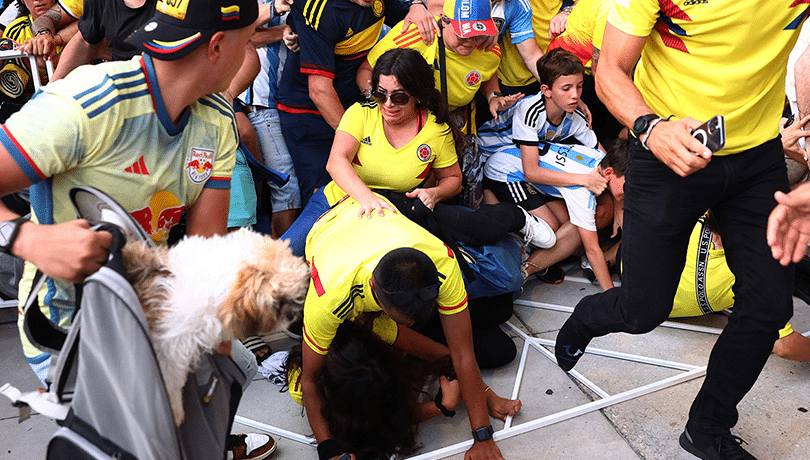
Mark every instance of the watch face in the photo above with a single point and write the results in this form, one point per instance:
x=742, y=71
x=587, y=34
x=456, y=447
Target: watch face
x=6, y=233
x=640, y=125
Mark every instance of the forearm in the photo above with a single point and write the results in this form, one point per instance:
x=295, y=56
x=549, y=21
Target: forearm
x=597, y=258
x=530, y=52
x=490, y=86
x=802, y=73
x=52, y=20
x=323, y=94
x=247, y=72
x=313, y=403
x=264, y=36
x=363, y=79
x=76, y=53
x=344, y=175
x=208, y=216
x=447, y=188
x=545, y=176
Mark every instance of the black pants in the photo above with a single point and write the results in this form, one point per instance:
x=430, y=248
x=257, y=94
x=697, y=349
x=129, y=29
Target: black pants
x=661, y=209
x=492, y=346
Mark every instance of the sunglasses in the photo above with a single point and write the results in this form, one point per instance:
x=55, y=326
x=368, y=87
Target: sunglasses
x=405, y=297
x=397, y=97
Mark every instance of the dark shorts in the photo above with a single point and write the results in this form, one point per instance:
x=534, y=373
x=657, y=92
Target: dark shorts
x=520, y=193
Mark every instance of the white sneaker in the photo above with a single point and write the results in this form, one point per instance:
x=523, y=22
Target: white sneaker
x=537, y=231
x=251, y=446
x=587, y=270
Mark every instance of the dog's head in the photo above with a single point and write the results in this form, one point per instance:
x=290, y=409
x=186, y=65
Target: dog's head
x=269, y=289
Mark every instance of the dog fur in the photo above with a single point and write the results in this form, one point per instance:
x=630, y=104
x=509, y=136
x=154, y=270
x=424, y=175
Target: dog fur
x=205, y=291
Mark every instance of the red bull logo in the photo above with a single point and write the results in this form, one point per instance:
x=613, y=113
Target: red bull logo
x=157, y=219
x=472, y=78
x=199, y=164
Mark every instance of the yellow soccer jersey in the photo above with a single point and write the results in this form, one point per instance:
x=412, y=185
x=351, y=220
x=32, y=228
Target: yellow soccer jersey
x=74, y=8
x=114, y=134
x=343, y=251
x=585, y=30
x=464, y=73
x=512, y=70
x=725, y=57
x=543, y=11
x=707, y=289
x=381, y=166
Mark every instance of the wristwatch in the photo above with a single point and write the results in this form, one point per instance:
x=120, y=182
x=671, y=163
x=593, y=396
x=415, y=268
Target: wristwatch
x=483, y=434
x=642, y=123
x=8, y=233
x=414, y=2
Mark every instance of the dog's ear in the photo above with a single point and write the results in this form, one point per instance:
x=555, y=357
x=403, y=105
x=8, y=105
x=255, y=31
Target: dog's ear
x=268, y=292
x=147, y=272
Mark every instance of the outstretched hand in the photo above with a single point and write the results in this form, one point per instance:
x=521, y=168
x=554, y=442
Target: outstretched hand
x=789, y=225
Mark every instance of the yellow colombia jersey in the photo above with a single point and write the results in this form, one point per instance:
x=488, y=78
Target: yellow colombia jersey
x=343, y=251
x=585, y=30
x=464, y=73
x=114, y=133
x=513, y=71
x=705, y=58
x=74, y=8
x=707, y=289
x=381, y=166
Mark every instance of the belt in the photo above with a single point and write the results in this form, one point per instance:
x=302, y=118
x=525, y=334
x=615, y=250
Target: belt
x=254, y=108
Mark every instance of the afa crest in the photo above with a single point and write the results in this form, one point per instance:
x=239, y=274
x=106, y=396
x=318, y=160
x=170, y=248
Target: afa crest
x=472, y=78
x=199, y=164
x=423, y=152
x=378, y=8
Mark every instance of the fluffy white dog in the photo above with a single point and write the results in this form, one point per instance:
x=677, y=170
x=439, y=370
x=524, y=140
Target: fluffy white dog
x=205, y=291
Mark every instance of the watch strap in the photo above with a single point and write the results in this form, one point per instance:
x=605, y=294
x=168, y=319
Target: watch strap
x=7, y=240
x=483, y=434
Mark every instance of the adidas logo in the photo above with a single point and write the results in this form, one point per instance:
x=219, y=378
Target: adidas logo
x=366, y=140
x=139, y=167
x=349, y=32
x=695, y=2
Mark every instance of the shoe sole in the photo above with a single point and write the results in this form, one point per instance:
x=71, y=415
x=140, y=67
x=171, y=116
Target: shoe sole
x=687, y=445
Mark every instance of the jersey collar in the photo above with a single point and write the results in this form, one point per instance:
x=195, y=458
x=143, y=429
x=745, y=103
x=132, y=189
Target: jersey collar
x=157, y=99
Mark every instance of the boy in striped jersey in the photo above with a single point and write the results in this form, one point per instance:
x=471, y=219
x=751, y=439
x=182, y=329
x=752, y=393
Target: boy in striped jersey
x=150, y=132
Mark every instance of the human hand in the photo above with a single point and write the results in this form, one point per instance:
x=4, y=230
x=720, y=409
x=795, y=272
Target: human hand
x=424, y=21
x=281, y=6
x=501, y=103
x=489, y=43
x=68, y=251
x=789, y=225
x=367, y=207
x=672, y=143
x=290, y=39
x=500, y=407
x=584, y=108
x=558, y=24
x=42, y=46
x=486, y=450
x=594, y=182
x=451, y=392
x=792, y=134
x=425, y=195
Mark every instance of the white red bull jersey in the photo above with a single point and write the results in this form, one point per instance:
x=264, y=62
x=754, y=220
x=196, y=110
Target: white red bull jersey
x=106, y=126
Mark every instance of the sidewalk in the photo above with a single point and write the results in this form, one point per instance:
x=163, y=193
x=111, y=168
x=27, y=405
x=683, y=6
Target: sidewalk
x=774, y=417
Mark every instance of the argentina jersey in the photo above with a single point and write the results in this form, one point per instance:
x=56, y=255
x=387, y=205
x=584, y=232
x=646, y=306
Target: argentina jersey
x=531, y=125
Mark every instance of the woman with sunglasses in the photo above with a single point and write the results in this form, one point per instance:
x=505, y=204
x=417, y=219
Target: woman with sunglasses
x=395, y=141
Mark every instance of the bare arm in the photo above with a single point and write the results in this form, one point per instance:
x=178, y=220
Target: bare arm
x=530, y=52
x=670, y=141
x=497, y=103
x=312, y=363
x=802, y=73
x=530, y=158
x=448, y=185
x=590, y=241
x=77, y=52
x=339, y=166
x=208, y=216
x=43, y=45
x=364, y=77
x=323, y=94
x=245, y=75
x=267, y=35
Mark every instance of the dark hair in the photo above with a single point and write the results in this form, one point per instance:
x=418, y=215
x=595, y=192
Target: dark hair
x=616, y=157
x=417, y=78
x=557, y=63
x=370, y=391
x=406, y=269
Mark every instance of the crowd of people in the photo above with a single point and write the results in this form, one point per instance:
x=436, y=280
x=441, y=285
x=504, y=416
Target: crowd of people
x=521, y=133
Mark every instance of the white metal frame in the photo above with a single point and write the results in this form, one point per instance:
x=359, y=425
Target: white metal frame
x=13, y=54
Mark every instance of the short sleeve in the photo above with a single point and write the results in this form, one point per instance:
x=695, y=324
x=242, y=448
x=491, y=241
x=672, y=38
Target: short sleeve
x=446, y=153
x=91, y=22
x=41, y=156
x=520, y=21
x=634, y=17
x=354, y=121
x=317, y=49
x=452, y=293
x=523, y=127
x=74, y=8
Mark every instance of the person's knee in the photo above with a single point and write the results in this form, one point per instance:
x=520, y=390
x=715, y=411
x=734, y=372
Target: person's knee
x=493, y=348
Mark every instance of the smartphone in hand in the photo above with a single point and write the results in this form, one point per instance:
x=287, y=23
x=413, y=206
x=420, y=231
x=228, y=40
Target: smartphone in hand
x=712, y=134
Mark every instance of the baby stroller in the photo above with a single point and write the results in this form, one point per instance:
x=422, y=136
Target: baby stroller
x=107, y=392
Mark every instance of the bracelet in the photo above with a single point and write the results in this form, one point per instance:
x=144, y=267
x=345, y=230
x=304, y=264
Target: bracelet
x=649, y=130
x=329, y=448
x=415, y=2
x=43, y=32
x=566, y=9
x=493, y=94
x=487, y=388
x=438, y=401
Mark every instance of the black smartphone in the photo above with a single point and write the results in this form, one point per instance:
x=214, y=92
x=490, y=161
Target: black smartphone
x=712, y=134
